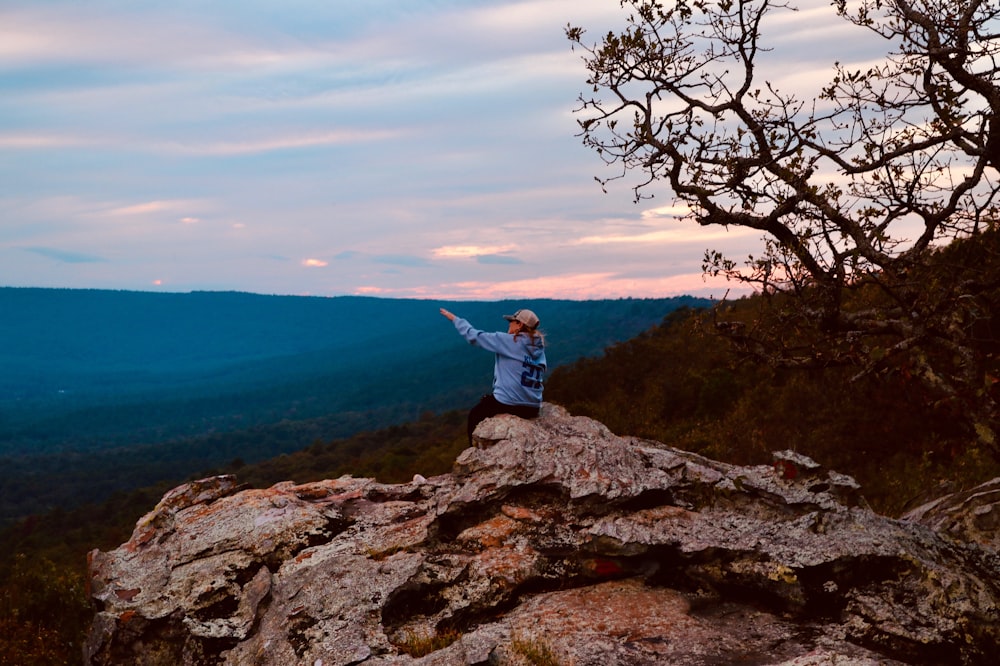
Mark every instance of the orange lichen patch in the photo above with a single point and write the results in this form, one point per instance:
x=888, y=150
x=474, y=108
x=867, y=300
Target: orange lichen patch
x=339, y=489
x=201, y=512
x=491, y=533
x=126, y=617
x=303, y=556
x=345, y=496
x=142, y=535
x=505, y=567
x=521, y=513
x=311, y=492
x=626, y=609
x=320, y=492
x=128, y=595
x=659, y=513
x=394, y=537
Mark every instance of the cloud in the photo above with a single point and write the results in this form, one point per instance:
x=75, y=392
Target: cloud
x=690, y=233
x=66, y=257
x=578, y=286
x=445, y=158
x=33, y=34
x=39, y=141
x=278, y=142
x=468, y=251
x=143, y=208
x=674, y=211
x=179, y=208
x=314, y=263
x=274, y=141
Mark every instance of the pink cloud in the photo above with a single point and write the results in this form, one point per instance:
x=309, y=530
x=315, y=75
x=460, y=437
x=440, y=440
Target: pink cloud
x=581, y=286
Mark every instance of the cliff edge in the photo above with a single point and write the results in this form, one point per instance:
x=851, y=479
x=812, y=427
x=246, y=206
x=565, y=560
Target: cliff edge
x=553, y=541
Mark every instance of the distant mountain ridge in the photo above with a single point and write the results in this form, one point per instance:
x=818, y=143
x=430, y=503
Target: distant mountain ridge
x=87, y=372
x=97, y=341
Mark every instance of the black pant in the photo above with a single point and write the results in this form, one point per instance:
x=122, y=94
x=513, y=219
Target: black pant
x=490, y=406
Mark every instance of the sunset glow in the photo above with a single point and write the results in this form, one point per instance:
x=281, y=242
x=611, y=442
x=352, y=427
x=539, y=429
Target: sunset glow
x=396, y=154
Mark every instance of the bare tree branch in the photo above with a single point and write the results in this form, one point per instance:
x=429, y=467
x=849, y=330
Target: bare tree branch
x=853, y=191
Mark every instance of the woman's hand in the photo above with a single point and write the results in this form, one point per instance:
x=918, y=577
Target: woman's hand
x=448, y=315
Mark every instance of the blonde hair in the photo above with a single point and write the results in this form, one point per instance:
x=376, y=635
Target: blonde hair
x=537, y=336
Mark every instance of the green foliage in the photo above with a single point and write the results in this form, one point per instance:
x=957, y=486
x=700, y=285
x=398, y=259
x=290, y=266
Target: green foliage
x=107, y=391
x=42, y=558
x=684, y=385
x=427, y=446
x=43, y=613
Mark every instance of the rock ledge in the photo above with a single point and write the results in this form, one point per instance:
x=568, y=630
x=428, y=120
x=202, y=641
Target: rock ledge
x=551, y=537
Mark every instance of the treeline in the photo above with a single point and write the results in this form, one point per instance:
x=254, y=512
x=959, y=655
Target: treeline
x=681, y=384
x=70, y=349
x=44, y=610
x=35, y=484
x=159, y=386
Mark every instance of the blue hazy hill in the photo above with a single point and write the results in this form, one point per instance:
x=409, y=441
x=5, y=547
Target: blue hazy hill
x=92, y=377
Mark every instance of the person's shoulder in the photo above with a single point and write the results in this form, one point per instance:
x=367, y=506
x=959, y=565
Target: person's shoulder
x=528, y=341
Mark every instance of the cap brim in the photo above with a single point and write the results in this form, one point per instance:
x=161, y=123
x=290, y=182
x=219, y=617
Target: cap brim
x=509, y=317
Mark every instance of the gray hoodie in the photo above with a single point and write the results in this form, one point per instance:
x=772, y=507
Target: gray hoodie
x=519, y=369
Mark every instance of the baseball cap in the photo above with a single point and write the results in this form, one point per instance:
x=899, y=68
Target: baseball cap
x=526, y=317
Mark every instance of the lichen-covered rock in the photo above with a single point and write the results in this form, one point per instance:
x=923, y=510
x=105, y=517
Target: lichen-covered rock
x=551, y=539
x=971, y=516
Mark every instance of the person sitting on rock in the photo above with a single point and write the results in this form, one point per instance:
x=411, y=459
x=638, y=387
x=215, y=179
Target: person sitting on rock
x=518, y=370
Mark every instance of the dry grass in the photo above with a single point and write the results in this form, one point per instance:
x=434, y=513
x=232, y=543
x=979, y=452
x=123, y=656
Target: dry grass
x=535, y=651
x=417, y=645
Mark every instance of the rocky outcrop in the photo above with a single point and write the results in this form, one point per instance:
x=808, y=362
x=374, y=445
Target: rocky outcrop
x=551, y=542
x=972, y=516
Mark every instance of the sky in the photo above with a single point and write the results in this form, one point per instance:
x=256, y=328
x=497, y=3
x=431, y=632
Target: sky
x=407, y=149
